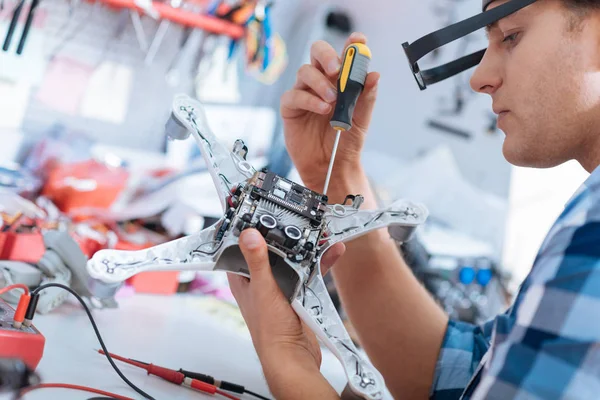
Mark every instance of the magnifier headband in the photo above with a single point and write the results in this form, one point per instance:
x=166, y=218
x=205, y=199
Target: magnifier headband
x=425, y=45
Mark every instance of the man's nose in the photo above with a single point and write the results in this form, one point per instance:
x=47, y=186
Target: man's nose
x=487, y=77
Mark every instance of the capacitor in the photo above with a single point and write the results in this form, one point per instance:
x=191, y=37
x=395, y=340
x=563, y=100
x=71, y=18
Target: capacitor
x=223, y=229
x=265, y=223
x=292, y=235
x=230, y=212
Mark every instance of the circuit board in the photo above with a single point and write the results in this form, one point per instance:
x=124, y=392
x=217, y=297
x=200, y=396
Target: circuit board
x=291, y=196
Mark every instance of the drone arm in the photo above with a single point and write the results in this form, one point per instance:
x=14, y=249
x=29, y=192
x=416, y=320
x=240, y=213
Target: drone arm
x=346, y=223
x=228, y=168
x=314, y=306
x=194, y=252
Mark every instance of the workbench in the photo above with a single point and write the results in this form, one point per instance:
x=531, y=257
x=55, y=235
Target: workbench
x=178, y=331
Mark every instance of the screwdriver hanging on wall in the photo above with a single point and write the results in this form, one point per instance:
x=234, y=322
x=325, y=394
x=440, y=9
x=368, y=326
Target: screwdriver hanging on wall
x=27, y=27
x=13, y=25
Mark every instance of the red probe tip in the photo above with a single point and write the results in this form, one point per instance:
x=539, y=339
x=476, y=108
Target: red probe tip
x=200, y=386
x=21, y=310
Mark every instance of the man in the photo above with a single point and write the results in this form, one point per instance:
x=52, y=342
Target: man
x=542, y=70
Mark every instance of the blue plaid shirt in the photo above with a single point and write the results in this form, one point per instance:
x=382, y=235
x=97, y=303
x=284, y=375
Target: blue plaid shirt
x=547, y=345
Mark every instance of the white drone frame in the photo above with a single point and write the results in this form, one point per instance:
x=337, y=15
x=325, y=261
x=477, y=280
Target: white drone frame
x=200, y=252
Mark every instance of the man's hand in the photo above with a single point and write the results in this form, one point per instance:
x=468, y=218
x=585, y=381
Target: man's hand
x=306, y=110
x=288, y=350
x=372, y=274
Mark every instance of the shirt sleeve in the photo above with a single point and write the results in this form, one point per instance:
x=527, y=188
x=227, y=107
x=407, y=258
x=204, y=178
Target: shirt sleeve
x=462, y=349
x=553, y=349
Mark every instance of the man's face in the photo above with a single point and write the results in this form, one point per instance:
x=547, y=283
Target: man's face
x=544, y=79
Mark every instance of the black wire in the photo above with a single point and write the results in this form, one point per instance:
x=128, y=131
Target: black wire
x=258, y=396
x=87, y=310
x=209, y=253
x=226, y=181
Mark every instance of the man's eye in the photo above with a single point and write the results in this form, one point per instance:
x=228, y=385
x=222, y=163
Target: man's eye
x=510, y=38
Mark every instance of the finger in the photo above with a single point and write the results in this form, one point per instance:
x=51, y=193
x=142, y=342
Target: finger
x=310, y=77
x=301, y=100
x=356, y=37
x=238, y=285
x=324, y=57
x=237, y=282
x=331, y=257
x=369, y=93
x=255, y=251
x=366, y=102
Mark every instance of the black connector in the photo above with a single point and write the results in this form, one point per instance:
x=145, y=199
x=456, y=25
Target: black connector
x=201, y=377
x=32, y=306
x=224, y=385
x=30, y=313
x=232, y=387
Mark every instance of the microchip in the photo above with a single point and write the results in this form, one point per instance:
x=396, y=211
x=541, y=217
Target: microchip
x=296, y=198
x=286, y=186
x=300, y=189
x=279, y=193
x=291, y=196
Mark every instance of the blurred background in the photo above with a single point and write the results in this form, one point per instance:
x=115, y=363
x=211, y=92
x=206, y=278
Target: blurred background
x=86, y=90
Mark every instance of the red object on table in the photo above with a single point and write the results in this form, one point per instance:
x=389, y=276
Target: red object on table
x=25, y=247
x=87, y=184
x=156, y=282
x=26, y=344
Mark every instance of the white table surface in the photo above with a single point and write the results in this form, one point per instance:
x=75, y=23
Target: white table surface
x=170, y=331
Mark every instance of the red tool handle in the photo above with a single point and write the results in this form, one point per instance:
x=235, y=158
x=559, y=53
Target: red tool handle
x=187, y=18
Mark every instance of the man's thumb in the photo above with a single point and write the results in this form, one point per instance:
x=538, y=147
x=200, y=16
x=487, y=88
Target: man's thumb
x=255, y=251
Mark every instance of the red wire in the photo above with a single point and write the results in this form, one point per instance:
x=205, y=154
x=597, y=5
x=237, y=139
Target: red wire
x=225, y=394
x=75, y=387
x=15, y=286
x=98, y=391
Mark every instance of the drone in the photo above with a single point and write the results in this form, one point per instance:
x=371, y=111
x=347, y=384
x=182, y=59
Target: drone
x=298, y=225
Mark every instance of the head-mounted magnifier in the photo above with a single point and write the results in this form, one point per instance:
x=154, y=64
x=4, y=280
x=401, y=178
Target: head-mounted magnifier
x=425, y=45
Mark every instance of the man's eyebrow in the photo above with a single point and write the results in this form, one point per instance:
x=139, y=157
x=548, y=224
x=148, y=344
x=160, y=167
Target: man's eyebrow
x=489, y=27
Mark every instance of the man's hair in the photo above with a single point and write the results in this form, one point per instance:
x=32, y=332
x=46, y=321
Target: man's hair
x=582, y=4
x=579, y=10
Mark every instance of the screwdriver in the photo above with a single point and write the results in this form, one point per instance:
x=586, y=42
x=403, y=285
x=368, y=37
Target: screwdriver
x=350, y=84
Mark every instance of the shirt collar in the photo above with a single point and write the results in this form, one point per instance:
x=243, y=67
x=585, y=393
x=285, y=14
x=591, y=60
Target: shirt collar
x=592, y=182
x=594, y=179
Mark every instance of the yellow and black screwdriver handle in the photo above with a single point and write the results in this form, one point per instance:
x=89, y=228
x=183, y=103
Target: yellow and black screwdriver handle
x=351, y=82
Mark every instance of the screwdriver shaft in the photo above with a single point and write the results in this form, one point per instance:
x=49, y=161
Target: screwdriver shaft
x=335, y=146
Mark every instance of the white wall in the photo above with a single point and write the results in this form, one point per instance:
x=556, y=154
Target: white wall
x=537, y=197
x=398, y=127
